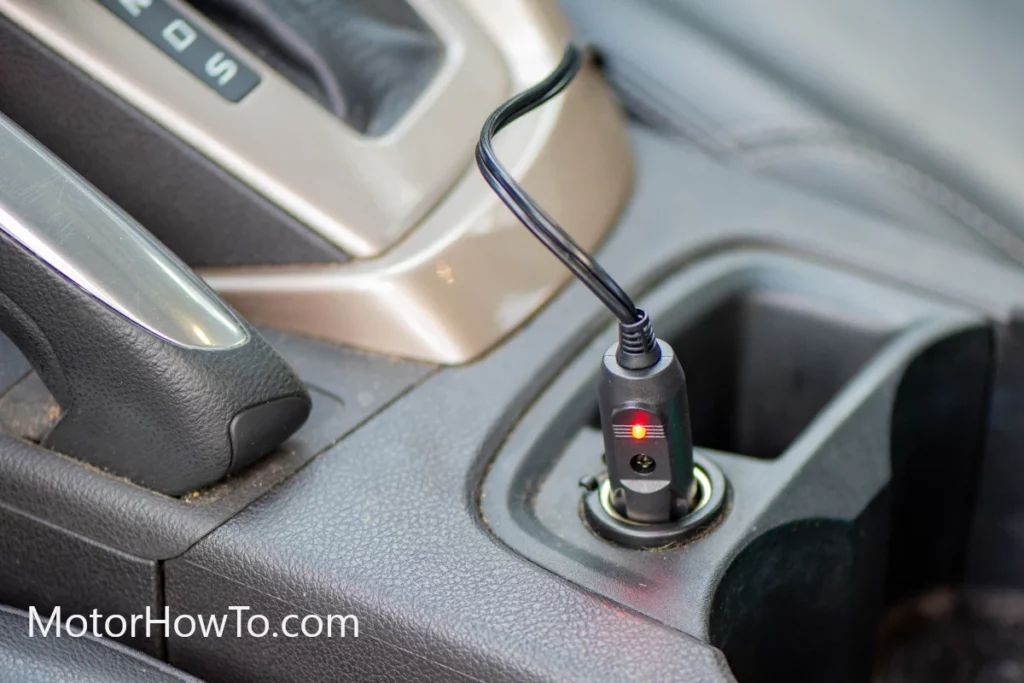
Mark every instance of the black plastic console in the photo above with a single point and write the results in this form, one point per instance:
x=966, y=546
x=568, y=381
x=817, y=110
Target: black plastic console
x=817, y=390
x=81, y=539
x=840, y=373
x=859, y=386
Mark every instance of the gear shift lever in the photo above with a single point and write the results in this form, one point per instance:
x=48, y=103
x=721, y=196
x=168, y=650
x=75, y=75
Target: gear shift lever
x=158, y=380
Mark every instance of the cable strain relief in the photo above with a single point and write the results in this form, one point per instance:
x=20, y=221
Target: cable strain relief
x=638, y=347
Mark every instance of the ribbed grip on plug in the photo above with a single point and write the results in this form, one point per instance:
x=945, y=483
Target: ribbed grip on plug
x=638, y=347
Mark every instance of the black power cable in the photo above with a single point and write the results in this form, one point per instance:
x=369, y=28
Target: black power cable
x=536, y=220
x=642, y=390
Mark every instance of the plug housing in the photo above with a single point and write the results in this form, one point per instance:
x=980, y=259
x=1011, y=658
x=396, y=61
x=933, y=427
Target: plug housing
x=645, y=421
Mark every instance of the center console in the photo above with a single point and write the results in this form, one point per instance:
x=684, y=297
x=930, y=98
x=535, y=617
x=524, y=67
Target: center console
x=854, y=387
x=841, y=376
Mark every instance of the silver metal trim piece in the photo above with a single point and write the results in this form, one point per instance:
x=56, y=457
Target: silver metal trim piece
x=360, y=193
x=54, y=213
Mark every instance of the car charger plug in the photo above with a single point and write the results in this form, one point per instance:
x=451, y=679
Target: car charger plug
x=645, y=422
x=642, y=390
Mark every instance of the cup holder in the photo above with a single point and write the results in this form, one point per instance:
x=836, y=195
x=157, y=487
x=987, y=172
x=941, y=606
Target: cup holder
x=764, y=361
x=837, y=409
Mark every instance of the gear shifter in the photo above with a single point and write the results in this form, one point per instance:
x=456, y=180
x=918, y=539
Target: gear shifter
x=158, y=380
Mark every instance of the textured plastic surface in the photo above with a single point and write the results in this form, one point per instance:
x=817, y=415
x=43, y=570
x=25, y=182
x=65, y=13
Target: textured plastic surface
x=438, y=598
x=436, y=594
x=831, y=436
x=260, y=429
x=46, y=566
x=83, y=660
x=346, y=386
x=133, y=403
x=81, y=539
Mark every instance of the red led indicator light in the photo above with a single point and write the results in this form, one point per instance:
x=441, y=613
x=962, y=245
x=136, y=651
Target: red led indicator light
x=639, y=431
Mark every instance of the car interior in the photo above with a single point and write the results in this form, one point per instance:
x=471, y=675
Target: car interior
x=524, y=340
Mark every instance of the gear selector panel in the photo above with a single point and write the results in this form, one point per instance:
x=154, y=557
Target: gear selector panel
x=184, y=42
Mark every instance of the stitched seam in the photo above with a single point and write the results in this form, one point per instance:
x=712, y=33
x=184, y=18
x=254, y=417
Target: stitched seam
x=770, y=148
x=625, y=78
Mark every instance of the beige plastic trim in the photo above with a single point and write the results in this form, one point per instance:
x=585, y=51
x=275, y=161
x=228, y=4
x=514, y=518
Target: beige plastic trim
x=470, y=273
x=360, y=193
x=463, y=273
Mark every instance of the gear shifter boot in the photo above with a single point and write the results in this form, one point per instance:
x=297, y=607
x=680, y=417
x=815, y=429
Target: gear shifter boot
x=366, y=61
x=157, y=379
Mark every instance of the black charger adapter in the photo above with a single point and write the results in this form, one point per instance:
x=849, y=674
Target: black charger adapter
x=645, y=420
